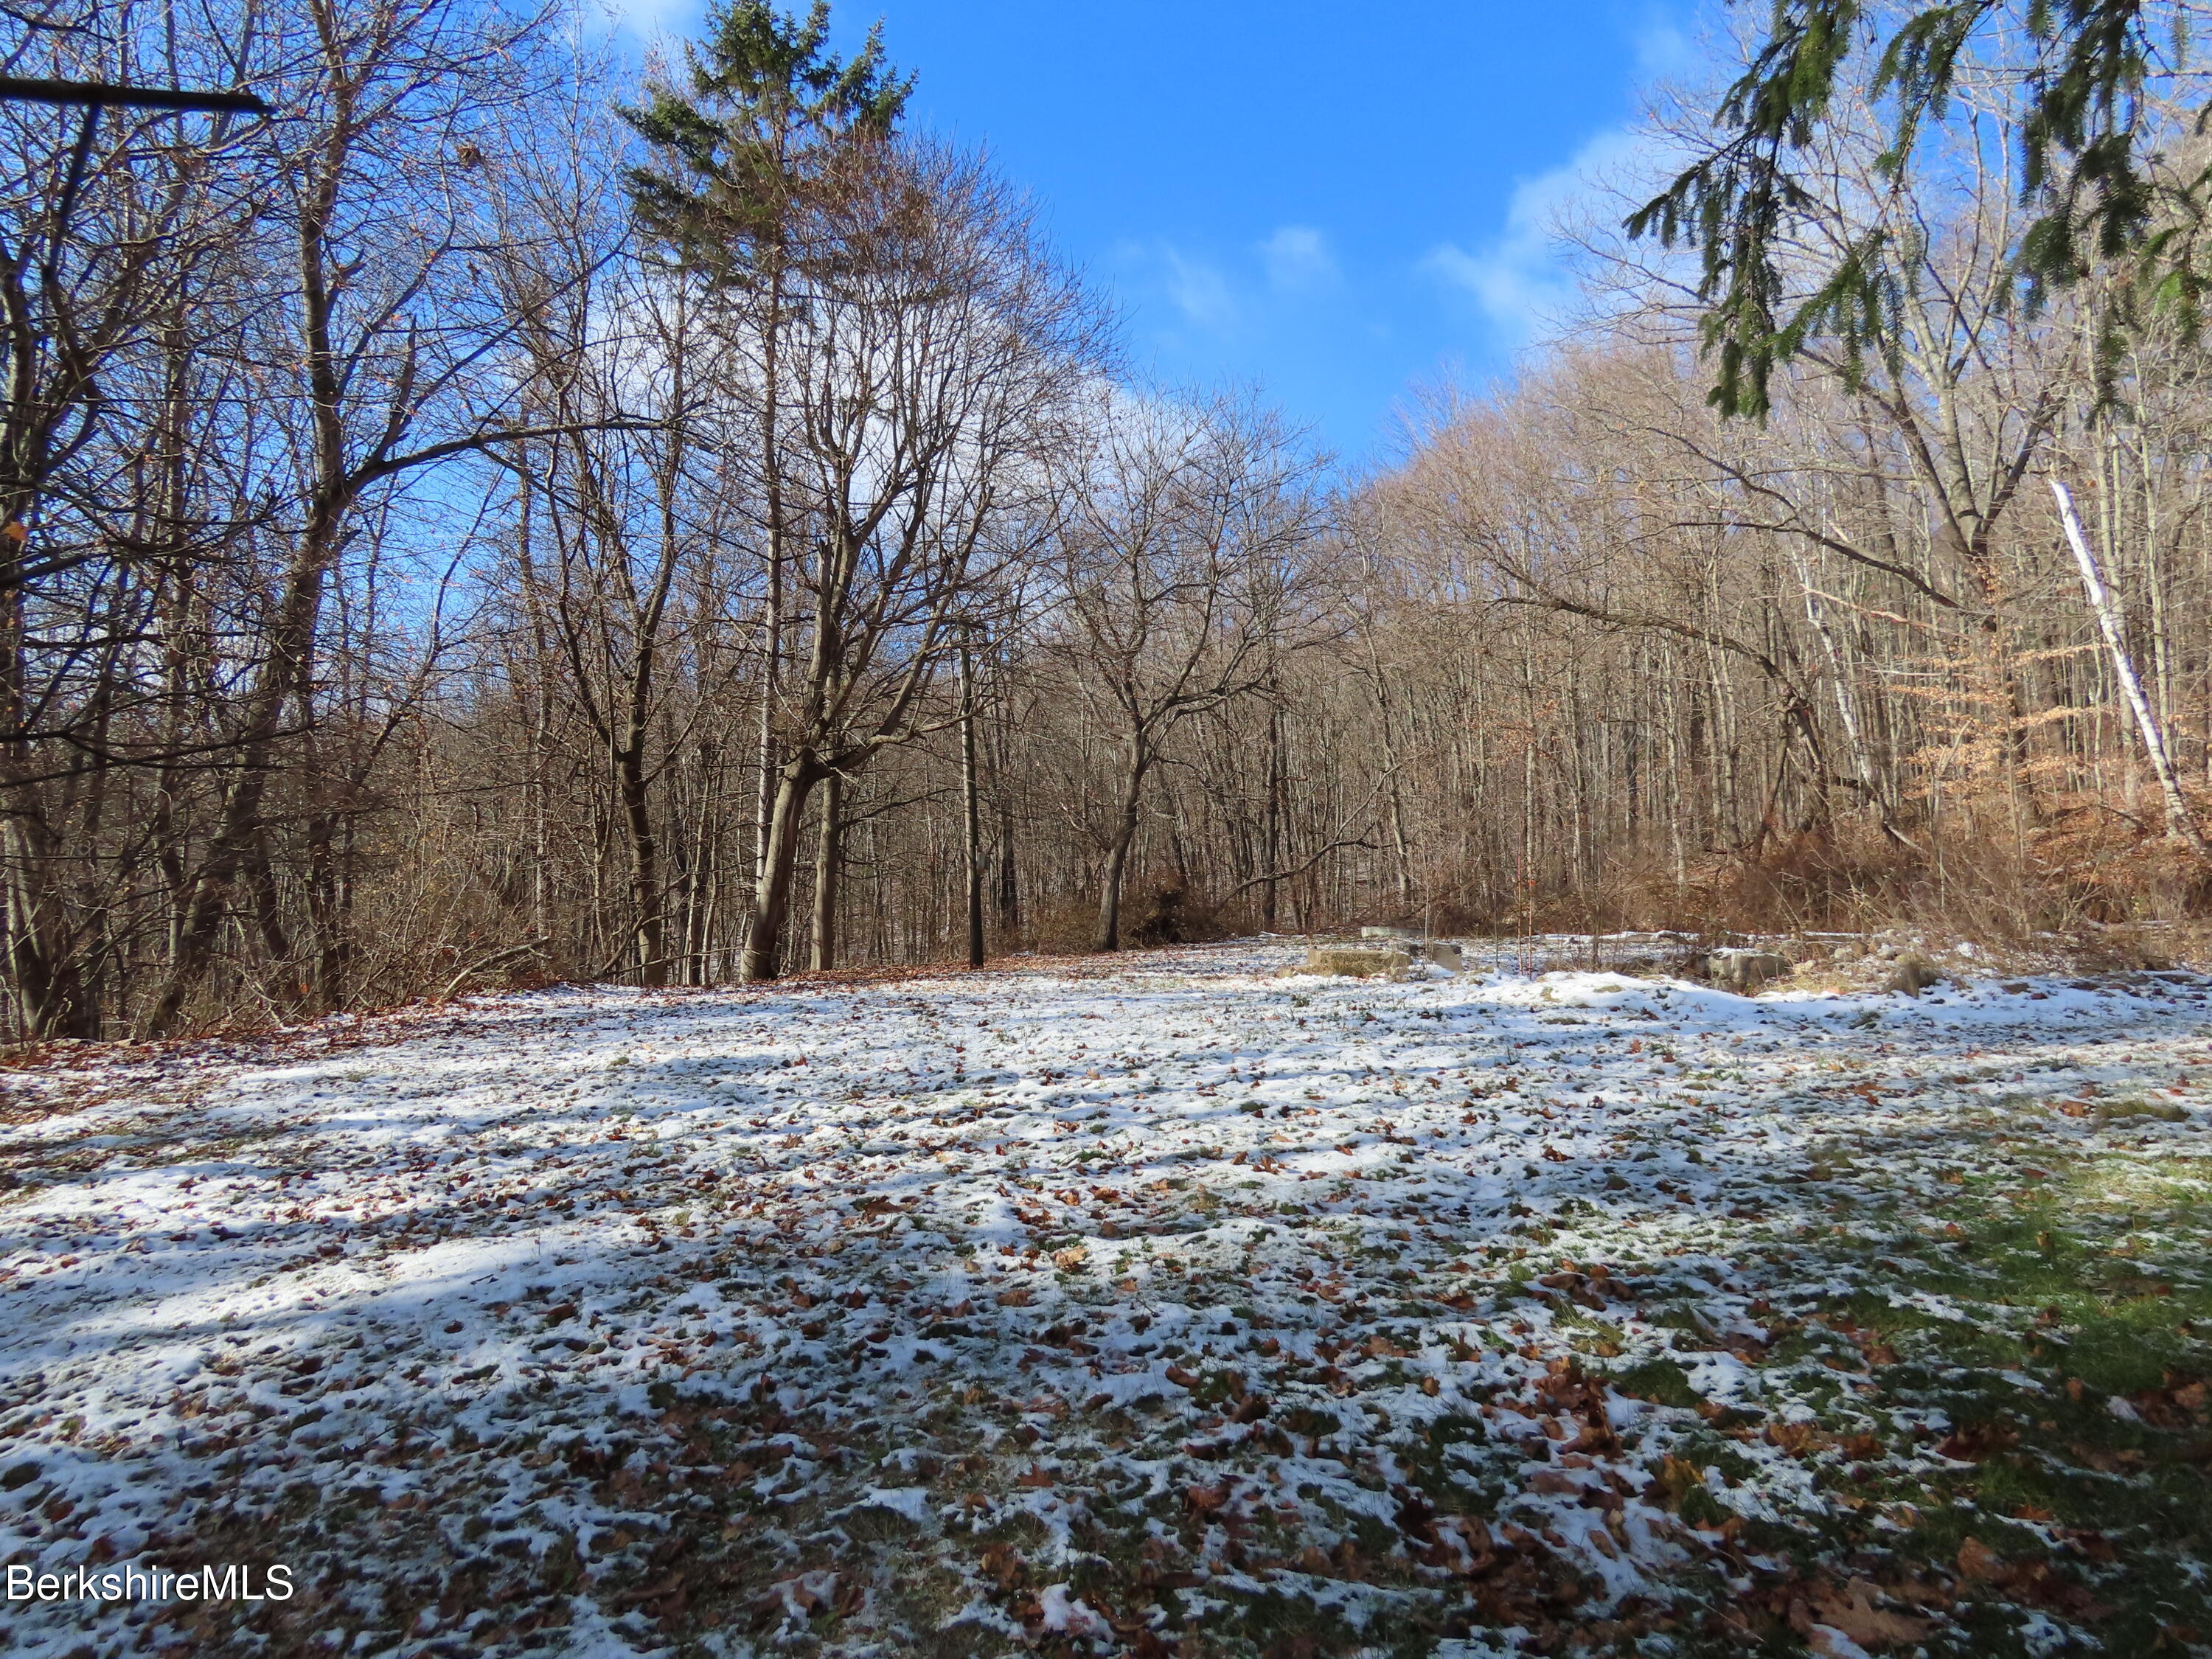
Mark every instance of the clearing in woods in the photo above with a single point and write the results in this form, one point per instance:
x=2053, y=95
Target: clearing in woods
x=1161, y=1306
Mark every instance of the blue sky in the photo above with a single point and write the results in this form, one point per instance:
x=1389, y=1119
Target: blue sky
x=1330, y=203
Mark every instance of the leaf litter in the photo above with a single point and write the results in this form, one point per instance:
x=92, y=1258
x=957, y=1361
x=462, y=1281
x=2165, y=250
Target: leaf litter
x=1175, y=1305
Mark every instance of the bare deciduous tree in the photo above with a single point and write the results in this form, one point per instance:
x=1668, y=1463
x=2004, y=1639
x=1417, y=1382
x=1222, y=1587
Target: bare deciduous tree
x=1187, y=565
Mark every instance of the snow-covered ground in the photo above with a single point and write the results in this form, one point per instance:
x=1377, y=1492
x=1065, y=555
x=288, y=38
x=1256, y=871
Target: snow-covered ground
x=1166, y=1304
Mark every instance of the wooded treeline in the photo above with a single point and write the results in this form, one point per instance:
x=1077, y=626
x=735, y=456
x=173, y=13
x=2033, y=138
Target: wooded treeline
x=491, y=521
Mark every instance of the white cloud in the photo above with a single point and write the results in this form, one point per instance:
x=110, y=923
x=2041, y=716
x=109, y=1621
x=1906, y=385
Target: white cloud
x=1225, y=295
x=1664, y=50
x=1199, y=291
x=1523, y=279
x=1298, y=260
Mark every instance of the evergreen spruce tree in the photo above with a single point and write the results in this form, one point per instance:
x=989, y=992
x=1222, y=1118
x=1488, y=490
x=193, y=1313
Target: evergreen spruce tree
x=744, y=159
x=766, y=115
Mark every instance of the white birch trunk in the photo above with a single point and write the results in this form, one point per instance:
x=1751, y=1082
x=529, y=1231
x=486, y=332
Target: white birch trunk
x=2179, y=823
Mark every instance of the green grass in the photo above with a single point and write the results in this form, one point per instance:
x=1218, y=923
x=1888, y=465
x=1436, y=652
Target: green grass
x=2061, y=1396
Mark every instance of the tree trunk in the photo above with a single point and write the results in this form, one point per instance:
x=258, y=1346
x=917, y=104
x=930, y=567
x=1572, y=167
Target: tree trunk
x=44, y=979
x=972, y=803
x=2180, y=822
x=772, y=611
x=1271, y=833
x=644, y=861
x=795, y=781
x=1109, y=893
x=330, y=906
x=771, y=646
x=829, y=865
x=1117, y=853
x=291, y=634
x=290, y=639
x=1008, y=897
